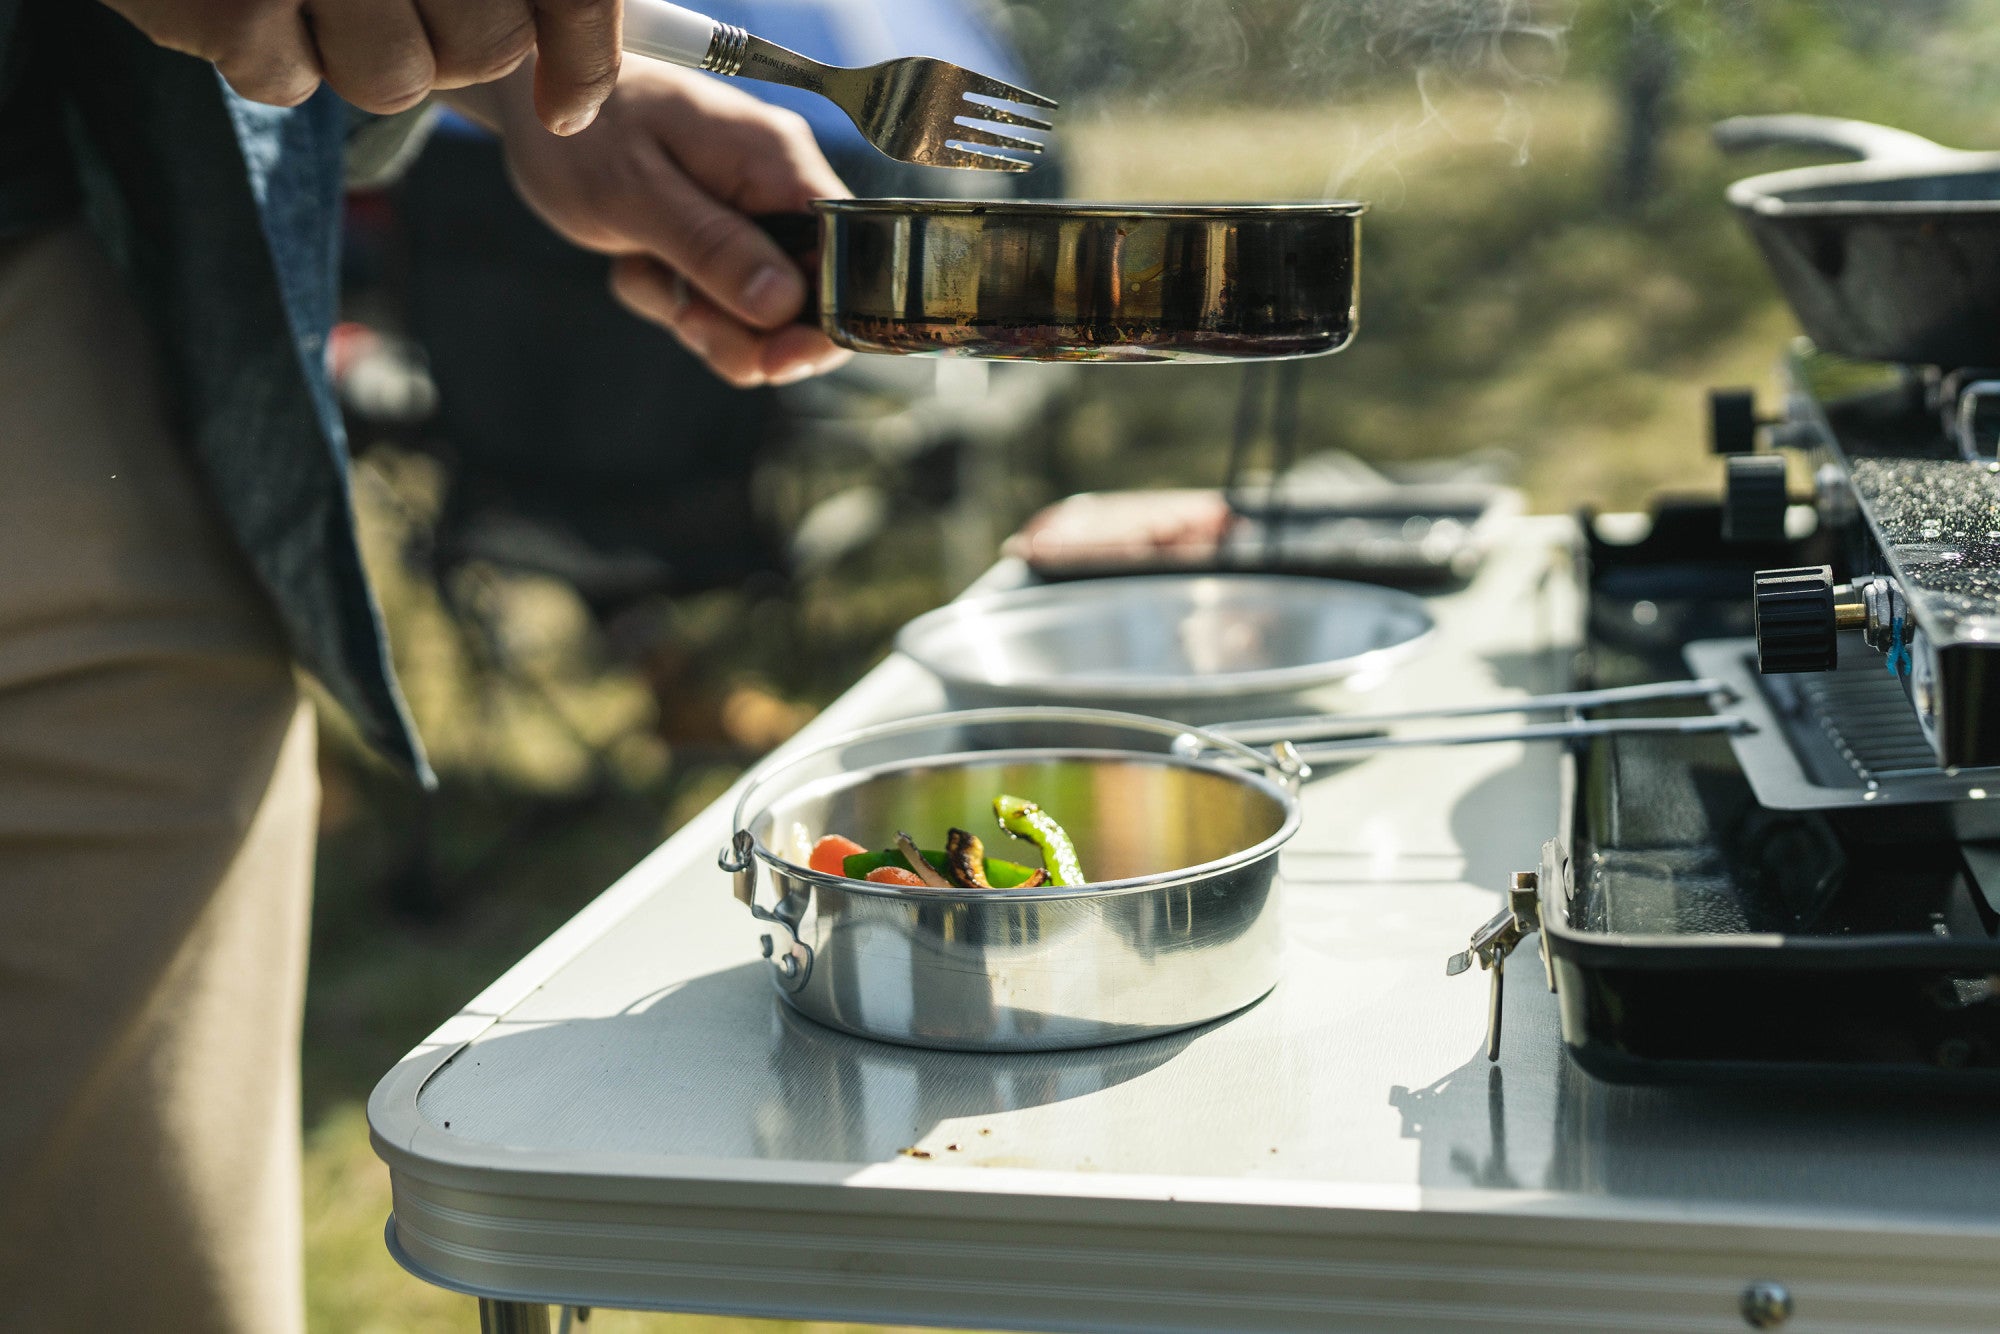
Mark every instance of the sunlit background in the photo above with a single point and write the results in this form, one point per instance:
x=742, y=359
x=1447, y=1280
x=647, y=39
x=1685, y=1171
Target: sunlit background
x=612, y=583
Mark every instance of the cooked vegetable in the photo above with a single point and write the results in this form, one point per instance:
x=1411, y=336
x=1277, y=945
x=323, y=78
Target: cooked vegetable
x=1000, y=874
x=965, y=860
x=830, y=854
x=1024, y=819
x=927, y=873
x=964, y=863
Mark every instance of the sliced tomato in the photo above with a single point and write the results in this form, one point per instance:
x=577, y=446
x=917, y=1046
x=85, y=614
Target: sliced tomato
x=830, y=854
x=894, y=875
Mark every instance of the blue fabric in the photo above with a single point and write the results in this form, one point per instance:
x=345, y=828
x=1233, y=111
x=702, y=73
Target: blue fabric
x=294, y=159
x=225, y=218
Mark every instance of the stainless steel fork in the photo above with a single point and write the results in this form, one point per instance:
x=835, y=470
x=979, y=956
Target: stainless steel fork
x=919, y=110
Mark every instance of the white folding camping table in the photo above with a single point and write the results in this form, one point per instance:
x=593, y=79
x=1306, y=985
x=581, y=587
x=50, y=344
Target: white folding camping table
x=630, y=1118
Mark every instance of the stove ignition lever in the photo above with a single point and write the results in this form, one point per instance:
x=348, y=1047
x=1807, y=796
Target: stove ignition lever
x=1493, y=942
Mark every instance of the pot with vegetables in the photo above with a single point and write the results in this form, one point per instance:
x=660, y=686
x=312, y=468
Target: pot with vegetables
x=1017, y=880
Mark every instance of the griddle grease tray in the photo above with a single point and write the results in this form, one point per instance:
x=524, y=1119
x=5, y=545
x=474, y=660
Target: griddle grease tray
x=1848, y=739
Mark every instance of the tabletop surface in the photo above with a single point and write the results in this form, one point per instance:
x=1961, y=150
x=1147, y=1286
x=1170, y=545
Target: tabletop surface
x=645, y=1045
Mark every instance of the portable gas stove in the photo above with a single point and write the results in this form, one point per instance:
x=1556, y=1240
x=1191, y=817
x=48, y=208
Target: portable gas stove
x=1816, y=895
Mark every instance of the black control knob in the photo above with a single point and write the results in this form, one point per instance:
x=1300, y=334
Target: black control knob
x=1796, y=622
x=1753, y=506
x=1732, y=421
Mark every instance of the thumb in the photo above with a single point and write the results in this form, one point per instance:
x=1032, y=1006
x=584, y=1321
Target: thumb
x=577, y=56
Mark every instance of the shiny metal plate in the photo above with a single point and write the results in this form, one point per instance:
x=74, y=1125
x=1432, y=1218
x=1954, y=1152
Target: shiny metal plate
x=1193, y=648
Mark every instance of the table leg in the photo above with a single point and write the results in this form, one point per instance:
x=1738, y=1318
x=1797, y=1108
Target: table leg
x=512, y=1318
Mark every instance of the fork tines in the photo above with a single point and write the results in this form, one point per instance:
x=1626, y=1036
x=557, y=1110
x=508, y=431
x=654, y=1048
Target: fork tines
x=972, y=133
x=980, y=85
x=1002, y=116
x=951, y=155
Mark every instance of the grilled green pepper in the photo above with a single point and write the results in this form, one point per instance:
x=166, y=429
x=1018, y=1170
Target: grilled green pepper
x=999, y=874
x=1024, y=819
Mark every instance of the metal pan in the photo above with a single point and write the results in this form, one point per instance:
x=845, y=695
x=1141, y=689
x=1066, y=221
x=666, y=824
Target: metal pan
x=1895, y=257
x=1046, y=281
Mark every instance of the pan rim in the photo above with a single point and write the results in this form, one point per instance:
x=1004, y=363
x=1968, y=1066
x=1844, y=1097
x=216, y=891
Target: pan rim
x=1113, y=689
x=1768, y=194
x=1288, y=828
x=1064, y=208
x=1770, y=207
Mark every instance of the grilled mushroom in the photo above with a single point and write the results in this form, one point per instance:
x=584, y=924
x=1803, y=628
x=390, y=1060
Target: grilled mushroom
x=965, y=860
x=915, y=857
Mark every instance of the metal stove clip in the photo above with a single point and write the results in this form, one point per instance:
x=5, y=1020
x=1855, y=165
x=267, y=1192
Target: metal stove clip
x=1494, y=942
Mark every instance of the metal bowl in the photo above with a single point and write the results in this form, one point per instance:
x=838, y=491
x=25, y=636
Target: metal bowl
x=1178, y=927
x=1188, y=647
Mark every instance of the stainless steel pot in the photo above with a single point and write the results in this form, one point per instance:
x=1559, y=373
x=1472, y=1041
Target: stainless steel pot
x=1180, y=928
x=1041, y=280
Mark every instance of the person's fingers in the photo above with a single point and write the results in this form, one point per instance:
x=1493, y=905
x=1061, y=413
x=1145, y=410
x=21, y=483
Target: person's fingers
x=576, y=65
x=652, y=291
x=744, y=357
x=722, y=252
x=375, y=53
x=799, y=353
x=759, y=157
x=270, y=58
x=794, y=169
x=477, y=41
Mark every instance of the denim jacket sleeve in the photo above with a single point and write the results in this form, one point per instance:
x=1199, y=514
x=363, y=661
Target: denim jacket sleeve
x=225, y=216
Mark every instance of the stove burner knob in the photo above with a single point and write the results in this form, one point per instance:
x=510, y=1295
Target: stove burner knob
x=1795, y=629
x=1800, y=614
x=1753, y=508
x=1733, y=421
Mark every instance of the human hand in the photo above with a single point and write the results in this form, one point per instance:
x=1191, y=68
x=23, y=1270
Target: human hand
x=666, y=182
x=387, y=55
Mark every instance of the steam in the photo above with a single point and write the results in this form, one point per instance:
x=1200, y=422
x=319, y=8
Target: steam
x=1463, y=62
x=1494, y=48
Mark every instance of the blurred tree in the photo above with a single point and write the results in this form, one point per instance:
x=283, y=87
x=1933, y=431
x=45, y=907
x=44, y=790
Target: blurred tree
x=1649, y=66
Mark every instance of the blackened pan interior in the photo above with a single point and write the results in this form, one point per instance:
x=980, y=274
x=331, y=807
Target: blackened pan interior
x=1082, y=282
x=1886, y=267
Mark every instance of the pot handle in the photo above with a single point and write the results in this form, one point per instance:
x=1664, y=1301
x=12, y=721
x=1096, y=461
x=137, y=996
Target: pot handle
x=798, y=235
x=1849, y=138
x=789, y=955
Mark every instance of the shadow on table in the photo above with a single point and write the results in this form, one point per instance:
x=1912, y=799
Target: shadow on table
x=719, y=1067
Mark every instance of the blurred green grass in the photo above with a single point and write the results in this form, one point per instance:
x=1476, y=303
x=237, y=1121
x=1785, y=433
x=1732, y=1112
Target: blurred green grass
x=1507, y=304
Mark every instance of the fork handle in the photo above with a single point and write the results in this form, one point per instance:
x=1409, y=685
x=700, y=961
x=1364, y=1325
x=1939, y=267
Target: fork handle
x=681, y=36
